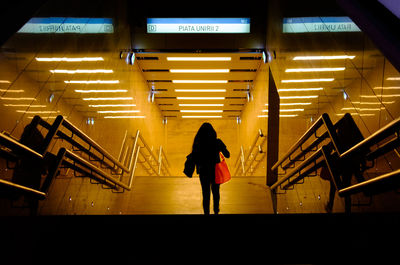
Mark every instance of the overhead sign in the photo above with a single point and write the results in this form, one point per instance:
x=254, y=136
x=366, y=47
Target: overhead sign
x=198, y=25
x=319, y=24
x=68, y=25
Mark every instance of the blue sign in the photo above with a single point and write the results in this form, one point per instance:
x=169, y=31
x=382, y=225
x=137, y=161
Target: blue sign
x=319, y=24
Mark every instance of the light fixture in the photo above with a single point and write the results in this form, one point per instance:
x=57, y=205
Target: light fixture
x=199, y=58
x=12, y=90
x=130, y=58
x=300, y=89
x=112, y=105
x=280, y=115
x=194, y=71
x=201, y=105
x=308, y=80
x=387, y=87
x=4, y=82
x=294, y=104
x=200, y=90
x=92, y=82
x=118, y=111
x=25, y=105
x=332, y=57
x=305, y=70
x=101, y=90
x=393, y=78
x=81, y=71
x=90, y=121
x=124, y=117
x=201, y=111
x=285, y=110
x=18, y=99
x=200, y=98
x=373, y=103
x=363, y=109
x=38, y=112
x=383, y=96
x=200, y=81
x=195, y=117
x=66, y=59
x=299, y=97
x=119, y=98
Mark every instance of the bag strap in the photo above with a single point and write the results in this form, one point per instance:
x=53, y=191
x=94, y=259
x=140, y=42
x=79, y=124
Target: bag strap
x=221, y=156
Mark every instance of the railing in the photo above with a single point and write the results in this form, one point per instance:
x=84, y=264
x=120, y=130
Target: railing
x=151, y=163
x=343, y=156
x=249, y=164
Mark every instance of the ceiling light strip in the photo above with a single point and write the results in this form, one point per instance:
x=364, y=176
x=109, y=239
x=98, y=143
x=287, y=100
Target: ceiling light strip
x=199, y=71
x=112, y=105
x=201, y=105
x=200, y=98
x=195, y=117
x=199, y=59
x=201, y=111
x=200, y=90
x=300, y=89
x=308, y=80
x=124, y=117
x=81, y=71
x=91, y=81
x=331, y=57
x=118, y=111
x=66, y=59
x=123, y=98
x=306, y=70
x=299, y=97
x=101, y=90
x=200, y=81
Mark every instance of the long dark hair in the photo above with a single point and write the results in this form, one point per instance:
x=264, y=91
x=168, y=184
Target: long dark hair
x=205, y=139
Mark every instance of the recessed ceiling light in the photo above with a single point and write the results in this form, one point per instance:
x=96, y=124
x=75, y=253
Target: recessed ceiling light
x=308, y=80
x=201, y=105
x=92, y=82
x=305, y=70
x=332, y=57
x=194, y=117
x=200, y=81
x=66, y=59
x=123, y=98
x=300, y=89
x=200, y=98
x=199, y=58
x=101, y=90
x=194, y=71
x=81, y=71
x=200, y=90
x=201, y=111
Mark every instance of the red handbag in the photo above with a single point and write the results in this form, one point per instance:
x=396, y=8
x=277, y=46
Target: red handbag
x=222, y=173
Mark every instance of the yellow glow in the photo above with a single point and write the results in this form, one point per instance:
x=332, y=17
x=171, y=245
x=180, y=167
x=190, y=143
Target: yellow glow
x=201, y=105
x=210, y=117
x=393, y=78
x=92, y=82
x=112, y=105
x=38, y=112
x=373, y=103
x=124, y=117
x=364, y=109
x=8, y=98
x=66, y=59
x=118, y=111
x=199, y=58
x=332, y=57
x=308, y=80
x=298, y=97
x=81, y=71
x=4, y=82
x=200, y=90
x=200, y=81
x=357, y=114
x=300, y=89
x=25, y=105
x=305, y=70
x=126, y=98
x=200, y=71
x=12, y=91
x=201, y=111
x=46, y=117
x=200, y=98
x=101, y=91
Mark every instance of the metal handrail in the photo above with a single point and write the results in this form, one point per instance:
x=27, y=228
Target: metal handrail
x=17, y=147
x=245, y=160
x=23, y=189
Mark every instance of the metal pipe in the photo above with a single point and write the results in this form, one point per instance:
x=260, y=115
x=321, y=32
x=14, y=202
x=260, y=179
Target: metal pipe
x=41, y=195
x=18, y=147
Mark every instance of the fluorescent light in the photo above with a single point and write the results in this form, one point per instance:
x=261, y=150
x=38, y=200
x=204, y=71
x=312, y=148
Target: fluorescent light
x=92, y=82
x=25, y=105
x=387, y=87
x=124, y=117
x=112, y=105
x=202, y=111
x=303, y=70
x=211, y=117
x=12, y=91
x=200, y=98
x=280, y=115
x=200, y=90
x=298, y=97
x=66, y=59
x=199, y=58
x=285, y=110
x=308, y=80
x=4, y=82
x=194, y=71
x=300, y=89
x=101, y=90
x=38, y=112
x=294, y=104
x=373, y=103
x=393, y=78
x=118, y=111
x=383, y=96
x=332, y=57
x=125, y=98
x=78, y=71
x=8, y=98
x=201, y=105
x=363, y=109
x=200, y=81
x=357, y=114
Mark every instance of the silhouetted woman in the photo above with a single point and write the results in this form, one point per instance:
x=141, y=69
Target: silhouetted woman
x=205, y=152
